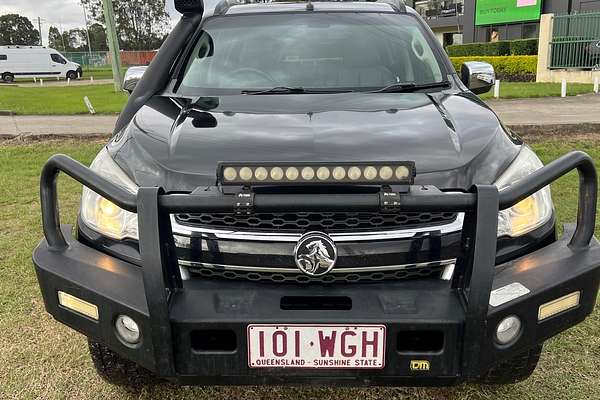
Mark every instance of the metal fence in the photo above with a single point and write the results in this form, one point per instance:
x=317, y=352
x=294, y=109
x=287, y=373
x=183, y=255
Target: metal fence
x=101, y=59
x=576, y=41
x=94, y=59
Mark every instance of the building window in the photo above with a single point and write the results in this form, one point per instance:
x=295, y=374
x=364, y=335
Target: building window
x=3, y=57
x=431, y=9
x=530, y=31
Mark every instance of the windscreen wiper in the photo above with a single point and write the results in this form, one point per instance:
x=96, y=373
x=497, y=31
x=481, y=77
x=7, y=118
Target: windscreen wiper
x=410, y=87
x=293, y=90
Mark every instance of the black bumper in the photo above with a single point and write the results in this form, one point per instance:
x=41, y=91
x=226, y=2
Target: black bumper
x=172, y=312
x=117, y=288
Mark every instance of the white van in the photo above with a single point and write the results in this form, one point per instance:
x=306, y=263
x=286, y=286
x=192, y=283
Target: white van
x=35, y=61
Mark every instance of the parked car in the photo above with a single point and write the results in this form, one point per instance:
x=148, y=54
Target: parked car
x=35, y=61
x=308, y=193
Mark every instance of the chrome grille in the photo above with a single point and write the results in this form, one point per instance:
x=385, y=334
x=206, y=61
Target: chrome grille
x=328, y=222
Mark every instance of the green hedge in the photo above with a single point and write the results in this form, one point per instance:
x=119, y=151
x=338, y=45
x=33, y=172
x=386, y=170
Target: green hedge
x=501, y=48
x=508, y=68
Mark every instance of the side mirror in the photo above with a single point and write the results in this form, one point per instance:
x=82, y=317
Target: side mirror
x=132, y=77
x=479, y=77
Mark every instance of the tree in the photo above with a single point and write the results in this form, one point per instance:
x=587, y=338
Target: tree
x=141, y=24
x=16, y=29
x=55, y=39
x=98, y=37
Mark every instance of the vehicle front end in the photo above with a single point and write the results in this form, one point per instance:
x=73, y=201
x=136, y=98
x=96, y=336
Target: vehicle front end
x=256, y=230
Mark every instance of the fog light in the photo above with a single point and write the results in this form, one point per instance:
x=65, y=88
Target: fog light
x=127, y=329
x=508, y=329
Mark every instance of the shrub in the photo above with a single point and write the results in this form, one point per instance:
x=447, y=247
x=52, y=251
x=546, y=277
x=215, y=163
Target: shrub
x=508, y=68
x=501, y=48
x=524, y=47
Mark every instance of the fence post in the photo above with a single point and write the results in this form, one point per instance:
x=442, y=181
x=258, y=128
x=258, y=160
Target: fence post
x=544, y=48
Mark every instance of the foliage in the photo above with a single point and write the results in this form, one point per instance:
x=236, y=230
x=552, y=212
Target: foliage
x=16, y=29
x=76, y=39
x=98, y=37
x=501, y=48
x=141, y=24
x=508, y=68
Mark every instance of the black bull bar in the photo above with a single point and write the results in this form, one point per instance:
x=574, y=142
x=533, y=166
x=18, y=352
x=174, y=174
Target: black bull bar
x=161, y=276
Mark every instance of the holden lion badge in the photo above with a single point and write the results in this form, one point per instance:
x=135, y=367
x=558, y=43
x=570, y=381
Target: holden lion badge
x=315, y=253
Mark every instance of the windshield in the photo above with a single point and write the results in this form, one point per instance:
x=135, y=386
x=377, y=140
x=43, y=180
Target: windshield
x=358, y=51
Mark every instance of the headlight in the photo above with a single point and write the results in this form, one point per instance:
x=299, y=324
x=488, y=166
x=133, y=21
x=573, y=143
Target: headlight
x=101, y=214
x=530, y=213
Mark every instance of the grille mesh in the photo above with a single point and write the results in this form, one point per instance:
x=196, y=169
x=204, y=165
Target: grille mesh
x=329, y=222
x=275, y=277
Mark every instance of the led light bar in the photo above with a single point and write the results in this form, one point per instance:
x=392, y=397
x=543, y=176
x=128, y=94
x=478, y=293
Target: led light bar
x=559, y=305
x=285, y=173
x=78, y=305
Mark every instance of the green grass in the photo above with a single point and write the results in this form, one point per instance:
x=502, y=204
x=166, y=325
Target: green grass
x=40, y=358
x=69, y=100
x=61, y=100
x=514, y=90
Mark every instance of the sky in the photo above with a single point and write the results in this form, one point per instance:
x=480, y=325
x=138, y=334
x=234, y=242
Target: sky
x=65, y=14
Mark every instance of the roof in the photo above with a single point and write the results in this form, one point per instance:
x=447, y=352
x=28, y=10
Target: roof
x=230, y=7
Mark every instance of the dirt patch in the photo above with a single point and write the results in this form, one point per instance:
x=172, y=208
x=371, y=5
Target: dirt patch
x=37, y=139
x=563, y=132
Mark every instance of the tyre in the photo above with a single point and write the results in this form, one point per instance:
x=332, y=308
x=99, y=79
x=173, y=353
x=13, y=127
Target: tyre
x=72, y=75
x=514, y=370
x=8, y=77
x=117, y=370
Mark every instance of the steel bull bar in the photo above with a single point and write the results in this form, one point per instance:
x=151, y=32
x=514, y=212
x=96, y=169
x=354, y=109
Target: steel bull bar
x=162, y=280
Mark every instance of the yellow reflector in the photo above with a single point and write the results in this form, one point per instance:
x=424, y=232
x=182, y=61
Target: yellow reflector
x=559, y=305
x=76, y=304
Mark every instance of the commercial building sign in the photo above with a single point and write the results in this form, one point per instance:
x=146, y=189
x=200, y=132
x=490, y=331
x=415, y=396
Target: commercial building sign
x=491, y=12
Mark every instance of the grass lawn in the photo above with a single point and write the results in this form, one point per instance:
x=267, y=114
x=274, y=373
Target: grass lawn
x=513, y=90
x=40, y=358
x=69, y=100
x=61, y=100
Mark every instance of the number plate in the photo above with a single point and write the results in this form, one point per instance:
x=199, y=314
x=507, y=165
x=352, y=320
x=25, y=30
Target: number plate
x=316, y=346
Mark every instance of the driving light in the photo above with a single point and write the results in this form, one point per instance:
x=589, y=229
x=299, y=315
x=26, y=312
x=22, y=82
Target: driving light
x=508, y=329
x=370, y=173
x=101, y=214
x=386, y=173
x=291, y=173
x=246, y=174
x=559, y=305
x=401, y=172
x=339, y=173
x=531, y=212
x=276, y=174
x=127, y=329
x=325, y=173
x=354, y=173
x=308, y=173
x=78, y=305
x=229, y=174
x=261, y=173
